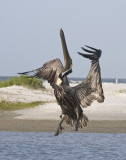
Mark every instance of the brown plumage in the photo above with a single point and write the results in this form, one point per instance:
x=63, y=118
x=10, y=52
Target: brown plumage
x=72, y=99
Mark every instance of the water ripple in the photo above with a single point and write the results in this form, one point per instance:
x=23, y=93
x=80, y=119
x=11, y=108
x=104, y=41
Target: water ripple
x=69, y=146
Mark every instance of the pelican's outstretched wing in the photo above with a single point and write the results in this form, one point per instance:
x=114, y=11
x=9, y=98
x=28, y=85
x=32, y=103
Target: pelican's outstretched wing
x=91, y=88
x=49, y=71
x=54, y=69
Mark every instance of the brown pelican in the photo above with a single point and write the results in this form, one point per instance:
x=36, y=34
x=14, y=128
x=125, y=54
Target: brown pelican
x=72, y=99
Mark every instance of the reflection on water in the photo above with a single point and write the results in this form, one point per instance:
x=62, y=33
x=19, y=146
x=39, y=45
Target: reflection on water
x=69, y=146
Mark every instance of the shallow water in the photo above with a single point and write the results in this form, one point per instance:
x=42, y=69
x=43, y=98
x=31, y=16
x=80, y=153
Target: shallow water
x=69, y=146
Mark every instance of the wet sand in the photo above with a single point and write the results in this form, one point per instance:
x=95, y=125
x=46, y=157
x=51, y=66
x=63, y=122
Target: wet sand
x=9, y=123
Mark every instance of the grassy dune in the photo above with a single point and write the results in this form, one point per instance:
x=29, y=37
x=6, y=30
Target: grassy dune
x=8, y=106
x=23, y=81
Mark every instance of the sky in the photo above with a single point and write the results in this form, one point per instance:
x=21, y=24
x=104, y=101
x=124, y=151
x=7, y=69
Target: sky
x=29, y=34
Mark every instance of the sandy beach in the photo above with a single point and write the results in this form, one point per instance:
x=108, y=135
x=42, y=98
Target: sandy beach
x=109, y=117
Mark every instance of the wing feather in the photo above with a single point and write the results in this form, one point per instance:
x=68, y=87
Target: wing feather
x=91, y=88
x=49, y=71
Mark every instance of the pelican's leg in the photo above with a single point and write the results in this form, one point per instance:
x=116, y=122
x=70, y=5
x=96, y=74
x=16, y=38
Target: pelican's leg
x=59, y=127
x=78, y=117
x=77, y=123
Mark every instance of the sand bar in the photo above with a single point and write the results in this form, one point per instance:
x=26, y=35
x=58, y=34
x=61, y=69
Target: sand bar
x=109, y=116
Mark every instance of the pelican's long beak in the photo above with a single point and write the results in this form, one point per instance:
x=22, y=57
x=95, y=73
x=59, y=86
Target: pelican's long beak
x=67, y=58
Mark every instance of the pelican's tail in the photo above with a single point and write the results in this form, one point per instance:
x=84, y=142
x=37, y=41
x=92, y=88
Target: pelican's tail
x=83, y=120
x=95, y=56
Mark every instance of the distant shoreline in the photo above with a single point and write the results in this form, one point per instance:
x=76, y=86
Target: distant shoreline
x=104, y=80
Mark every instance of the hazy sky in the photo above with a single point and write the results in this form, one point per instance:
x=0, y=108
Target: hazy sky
x=29, y=34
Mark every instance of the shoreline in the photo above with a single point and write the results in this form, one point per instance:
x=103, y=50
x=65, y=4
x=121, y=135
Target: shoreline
x=10, y=124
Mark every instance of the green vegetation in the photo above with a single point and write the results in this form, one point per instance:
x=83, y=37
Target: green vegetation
x=122, y=91
x=23, y=81
x=18, y=105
